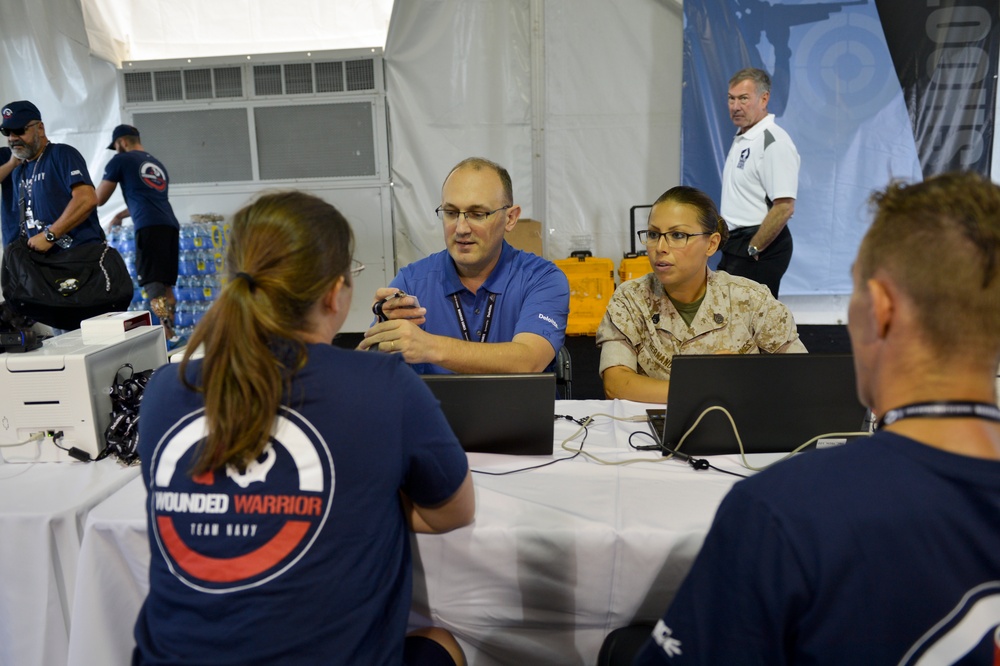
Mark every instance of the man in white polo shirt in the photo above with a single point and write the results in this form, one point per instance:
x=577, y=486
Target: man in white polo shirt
x=759, y=185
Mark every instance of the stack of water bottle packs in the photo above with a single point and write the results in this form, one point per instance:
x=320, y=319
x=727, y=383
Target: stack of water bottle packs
x=199, y=268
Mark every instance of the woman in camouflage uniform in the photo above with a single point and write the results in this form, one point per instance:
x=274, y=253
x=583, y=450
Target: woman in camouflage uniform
x=683, y=307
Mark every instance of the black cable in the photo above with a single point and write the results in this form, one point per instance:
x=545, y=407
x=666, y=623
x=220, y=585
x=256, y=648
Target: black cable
x=580, y=422
x=56, y=437
x=651, y=447
x=698, y=464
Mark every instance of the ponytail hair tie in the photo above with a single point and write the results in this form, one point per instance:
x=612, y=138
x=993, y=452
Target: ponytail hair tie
x=250, y=281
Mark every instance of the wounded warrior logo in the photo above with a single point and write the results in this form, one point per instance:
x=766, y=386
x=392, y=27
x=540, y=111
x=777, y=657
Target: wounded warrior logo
x=220, y=532
x=152, y=175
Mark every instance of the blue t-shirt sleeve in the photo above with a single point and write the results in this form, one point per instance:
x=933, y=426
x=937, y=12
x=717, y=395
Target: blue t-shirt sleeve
x=74, y=168
x=739, y=602
x=113, y=171
x=546, y=305
x=435, y=463
x=9, y=213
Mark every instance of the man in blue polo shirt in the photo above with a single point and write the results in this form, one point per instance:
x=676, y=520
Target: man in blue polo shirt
x=144, y=185
x=480, y=306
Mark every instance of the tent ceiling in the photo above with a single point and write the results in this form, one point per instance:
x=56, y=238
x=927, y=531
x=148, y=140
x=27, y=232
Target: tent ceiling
x=129, y=30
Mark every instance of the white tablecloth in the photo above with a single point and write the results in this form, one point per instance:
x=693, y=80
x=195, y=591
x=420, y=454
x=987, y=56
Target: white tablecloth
x=43, y=508
x=557, y=557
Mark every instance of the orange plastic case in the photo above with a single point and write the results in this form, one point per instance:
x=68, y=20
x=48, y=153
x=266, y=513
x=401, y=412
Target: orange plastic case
x=591, y=284
x=631, y=268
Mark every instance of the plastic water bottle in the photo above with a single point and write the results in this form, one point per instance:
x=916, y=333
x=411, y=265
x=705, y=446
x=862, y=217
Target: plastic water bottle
x=184, y=315
x=114, y=237
x=186, y=263
x=208, y=260
x=202, y=236
x=127, y=240
x=210, y=287
x=185, y=239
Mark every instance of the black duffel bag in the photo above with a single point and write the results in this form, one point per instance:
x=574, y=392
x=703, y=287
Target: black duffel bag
x=62, y=288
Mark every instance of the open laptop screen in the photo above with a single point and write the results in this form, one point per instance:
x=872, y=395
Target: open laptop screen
x=511, y=414
x=778, y=402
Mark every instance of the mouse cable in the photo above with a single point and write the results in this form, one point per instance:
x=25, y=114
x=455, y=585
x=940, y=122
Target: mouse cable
x=583, y=423
x=602, y=461
x=745, y=463
x=699, y=464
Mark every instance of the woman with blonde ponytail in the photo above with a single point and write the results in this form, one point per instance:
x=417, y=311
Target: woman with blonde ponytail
x=284, y=473
x=682, y=306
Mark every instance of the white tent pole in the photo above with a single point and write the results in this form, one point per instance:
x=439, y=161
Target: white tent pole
x=538, y=196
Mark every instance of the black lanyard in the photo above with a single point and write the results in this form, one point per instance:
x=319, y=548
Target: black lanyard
x=945, y=409
x=463, y=324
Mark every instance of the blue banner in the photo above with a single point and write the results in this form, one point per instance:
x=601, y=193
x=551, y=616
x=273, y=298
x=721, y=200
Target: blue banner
x=836, y=91
x=945, y=54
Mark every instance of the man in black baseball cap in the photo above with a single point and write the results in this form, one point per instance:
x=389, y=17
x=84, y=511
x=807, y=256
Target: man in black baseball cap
x=52, y=186
x=120, y=131
x=145, y=186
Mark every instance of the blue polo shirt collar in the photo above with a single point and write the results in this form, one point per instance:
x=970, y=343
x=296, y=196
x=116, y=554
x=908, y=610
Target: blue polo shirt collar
x=496, y=283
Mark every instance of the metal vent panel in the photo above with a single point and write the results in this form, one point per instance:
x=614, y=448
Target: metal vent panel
x=228, y=81
x=138, y=87
x=360, y=74
x=201, y=146
x=298, y=79
x=329, y=77
x=267, y=79
x=168, y=86
x=316, y=141
x=197, y=84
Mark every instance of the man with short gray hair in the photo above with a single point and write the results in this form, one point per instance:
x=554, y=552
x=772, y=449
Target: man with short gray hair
x=759, y=185
x=52, y=187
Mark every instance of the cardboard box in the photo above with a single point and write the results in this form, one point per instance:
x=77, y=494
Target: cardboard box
x=527, y=236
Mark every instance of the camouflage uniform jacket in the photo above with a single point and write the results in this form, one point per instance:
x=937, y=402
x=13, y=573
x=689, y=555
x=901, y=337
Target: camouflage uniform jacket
x=737, y=316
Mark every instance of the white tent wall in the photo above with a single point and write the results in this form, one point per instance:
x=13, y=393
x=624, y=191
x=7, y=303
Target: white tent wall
x=46, y=59
x=612, y=118
x=458, y=83
x=577, y=98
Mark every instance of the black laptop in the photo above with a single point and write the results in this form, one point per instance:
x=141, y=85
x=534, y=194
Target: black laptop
x=778, y=402
x=499, y=413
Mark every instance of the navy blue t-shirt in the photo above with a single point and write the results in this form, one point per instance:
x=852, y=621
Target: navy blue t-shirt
x=46, y=184
x=9, y=220
x=882, y=551
x=305, y=557
x=145, y=186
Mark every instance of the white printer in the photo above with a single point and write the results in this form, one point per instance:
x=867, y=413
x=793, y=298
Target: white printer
x=65, y=386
